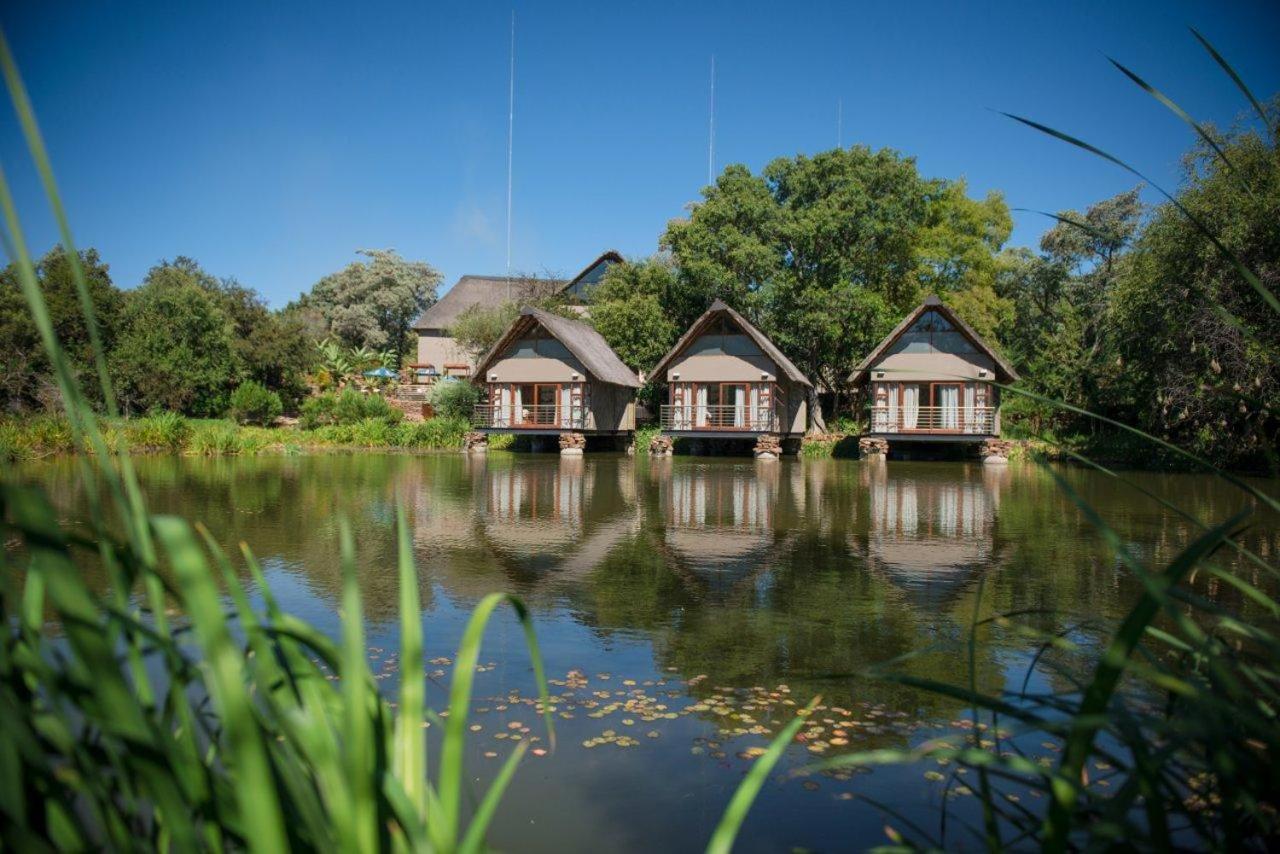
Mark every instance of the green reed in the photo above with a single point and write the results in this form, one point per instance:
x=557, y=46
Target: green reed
x=157, y=717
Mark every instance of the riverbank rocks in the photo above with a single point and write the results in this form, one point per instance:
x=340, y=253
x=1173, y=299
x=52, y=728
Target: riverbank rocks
x=661, y=446
x=995, y=451
x=872, y=446
x=572, y=444
x=475, y=442
x=768, y=447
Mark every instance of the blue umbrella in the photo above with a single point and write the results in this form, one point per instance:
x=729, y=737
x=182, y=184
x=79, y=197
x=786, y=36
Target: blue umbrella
x=381, y=373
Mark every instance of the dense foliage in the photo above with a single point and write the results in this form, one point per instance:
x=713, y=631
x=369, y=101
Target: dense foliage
x=371, y=303
x=348, y=406
x=254, y=403
x=454, y=398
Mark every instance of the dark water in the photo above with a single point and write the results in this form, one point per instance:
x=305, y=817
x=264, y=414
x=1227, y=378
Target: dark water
x=713, y=596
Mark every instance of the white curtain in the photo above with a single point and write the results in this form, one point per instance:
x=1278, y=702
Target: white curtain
x=893, y=408
x=910, y=406
x=566, y=406
x=757, y=417
x=950, y=403
x=739, y=406
x=701, y=418
x=517, y=406
x=970, y=413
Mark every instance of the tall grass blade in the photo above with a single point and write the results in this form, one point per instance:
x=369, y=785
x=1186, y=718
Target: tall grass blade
x=1249, y=276
x=411, y=747
x=744, y=796
x=1180, y=113
x=1235, y=78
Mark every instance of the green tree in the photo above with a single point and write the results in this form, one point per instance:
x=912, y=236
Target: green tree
x=479, y=327
x=1200, y=378
x=273, y=348
x=25, y=379
x=371, y=303
x=827, y=252
x=638, y=309
x=175, y=350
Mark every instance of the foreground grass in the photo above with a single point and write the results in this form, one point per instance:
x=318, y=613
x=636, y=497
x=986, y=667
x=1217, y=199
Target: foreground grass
x=51, y=435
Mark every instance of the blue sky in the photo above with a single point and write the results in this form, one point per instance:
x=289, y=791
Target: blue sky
x=270, y=141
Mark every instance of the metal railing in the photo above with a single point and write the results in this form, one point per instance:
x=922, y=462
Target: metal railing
x=726, y=417
x=507, y=416
x=980, y=420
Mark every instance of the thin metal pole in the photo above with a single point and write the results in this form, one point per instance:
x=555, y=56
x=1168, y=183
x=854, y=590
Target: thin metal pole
x=839, y=123
x=711, y=137
x=511, y=126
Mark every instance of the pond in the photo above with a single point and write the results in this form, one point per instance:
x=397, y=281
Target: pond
x=686, y=607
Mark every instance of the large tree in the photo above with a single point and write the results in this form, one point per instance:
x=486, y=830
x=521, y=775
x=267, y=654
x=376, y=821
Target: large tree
x=640, y=308
x=175, y=349
x=372, y=303
x=273, y=348
x=1198, y=343
x=827, y=252
x=25, y=378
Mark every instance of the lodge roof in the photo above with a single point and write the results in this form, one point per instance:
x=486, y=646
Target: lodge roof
x=1006, y=373
x=785, y=365
x=586, y=344
x=492, y=291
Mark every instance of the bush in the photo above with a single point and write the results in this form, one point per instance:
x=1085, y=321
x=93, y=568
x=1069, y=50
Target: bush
x=222, y=438
x=346, y=408
x=167, y=431
x=454, y=399
x=254, y=403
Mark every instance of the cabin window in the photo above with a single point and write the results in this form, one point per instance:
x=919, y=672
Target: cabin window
x=537, y=344
x=933, y=333
x=722, y=337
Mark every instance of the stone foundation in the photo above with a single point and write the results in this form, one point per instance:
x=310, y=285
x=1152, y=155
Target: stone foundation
x=768, y=447
x=475, y=442
x=871, y=446
x=572, y=444
x=995, y=451
x=661, y=446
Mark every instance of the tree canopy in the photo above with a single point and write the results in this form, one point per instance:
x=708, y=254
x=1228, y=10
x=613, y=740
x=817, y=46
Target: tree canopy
x=826, y=253
x=372, y=303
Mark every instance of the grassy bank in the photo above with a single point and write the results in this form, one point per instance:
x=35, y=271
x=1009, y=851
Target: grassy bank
x=50, y=435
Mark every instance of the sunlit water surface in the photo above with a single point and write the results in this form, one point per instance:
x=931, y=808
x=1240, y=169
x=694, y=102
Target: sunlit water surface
x=685, y=607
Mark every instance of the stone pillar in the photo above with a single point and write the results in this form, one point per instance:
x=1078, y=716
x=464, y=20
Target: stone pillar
x=872, y=446
x=475, y=442
x=995, y=451
x=572, y=444
x=768, y=447
x=661, y=446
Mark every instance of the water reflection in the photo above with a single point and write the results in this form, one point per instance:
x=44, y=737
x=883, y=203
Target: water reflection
x=931, y=534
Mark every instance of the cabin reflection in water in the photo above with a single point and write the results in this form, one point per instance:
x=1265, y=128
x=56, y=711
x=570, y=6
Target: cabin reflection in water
x=720, y=528
x=931, y=535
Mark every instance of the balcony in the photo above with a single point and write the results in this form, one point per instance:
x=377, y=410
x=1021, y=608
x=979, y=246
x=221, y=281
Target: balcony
x=728, y=418
x=935, y=420
x=547, y=418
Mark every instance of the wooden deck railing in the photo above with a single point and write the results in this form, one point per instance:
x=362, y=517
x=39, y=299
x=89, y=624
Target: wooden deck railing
x=976, y=420
x=727, y=418
x=508, y=417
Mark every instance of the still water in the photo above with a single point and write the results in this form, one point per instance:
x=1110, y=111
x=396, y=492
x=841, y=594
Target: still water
x=685, y=607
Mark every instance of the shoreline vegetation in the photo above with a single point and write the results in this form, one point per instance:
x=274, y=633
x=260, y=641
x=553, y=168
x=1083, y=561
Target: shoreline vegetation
x=46, y=436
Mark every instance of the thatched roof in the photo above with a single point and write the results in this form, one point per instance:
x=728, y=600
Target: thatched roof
x=587, y=345
x=493, y=291
x=933, y=303
x=487, y=291
x=719, y=307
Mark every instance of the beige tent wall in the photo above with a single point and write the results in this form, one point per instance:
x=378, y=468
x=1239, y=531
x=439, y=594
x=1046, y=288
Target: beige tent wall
x=613, y=408
x=908, y=367
x=440, y=350
x=747, y=365
x=535, y=369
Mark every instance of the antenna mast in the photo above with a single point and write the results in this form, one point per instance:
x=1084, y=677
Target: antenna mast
x=711, y=138
x=839, y=123
x=511, y=126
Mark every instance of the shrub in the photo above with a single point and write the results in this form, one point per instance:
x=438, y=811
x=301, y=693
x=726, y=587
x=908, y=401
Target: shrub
x=348, y=407
x=254, y=403
x=222, y=438
x=167, y=431
x=454, y=399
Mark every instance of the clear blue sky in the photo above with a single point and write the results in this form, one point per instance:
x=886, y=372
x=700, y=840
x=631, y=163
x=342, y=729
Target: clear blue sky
x=270, y=141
